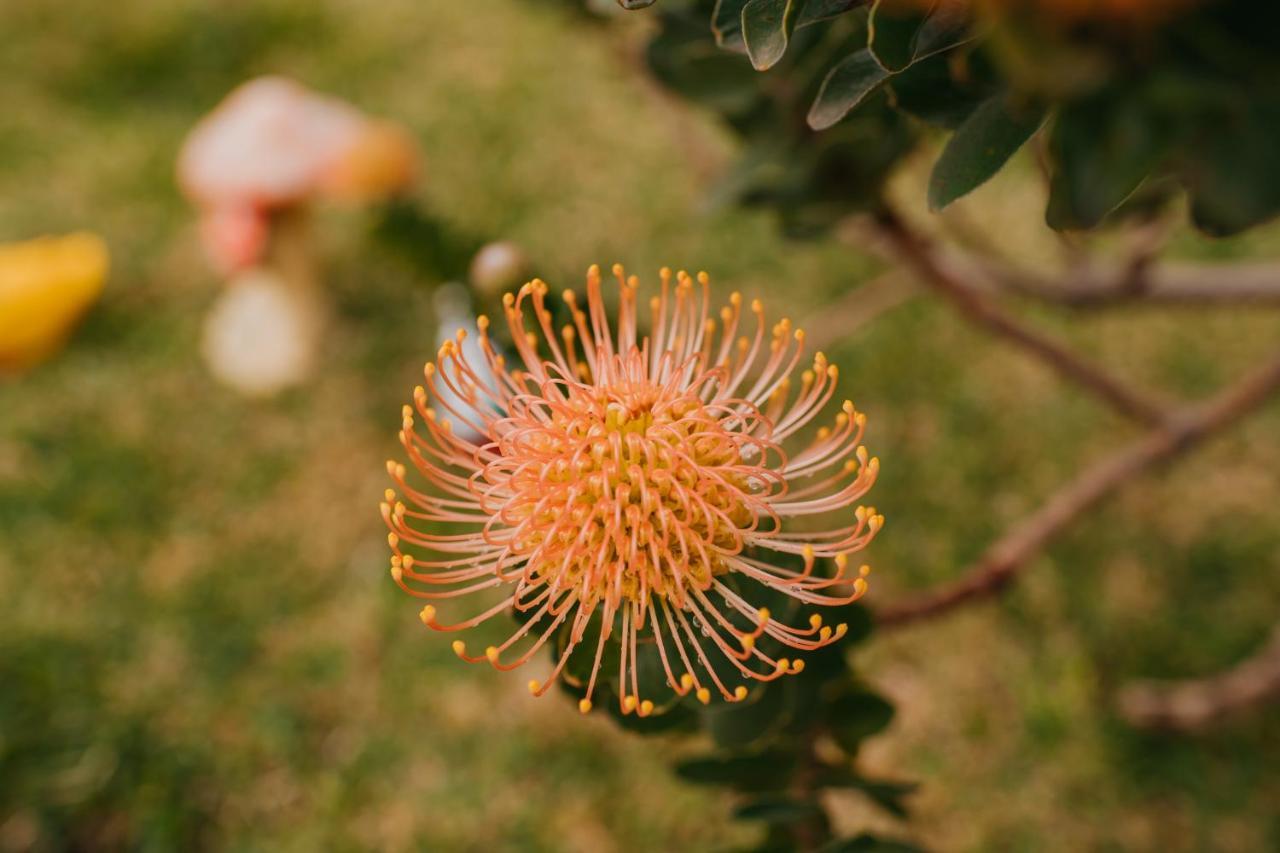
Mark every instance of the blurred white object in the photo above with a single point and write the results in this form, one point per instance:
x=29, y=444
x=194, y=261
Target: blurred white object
x=273, y=144
x=452, y=303
x=498, y=267
x=266, y=144
x=262, y=335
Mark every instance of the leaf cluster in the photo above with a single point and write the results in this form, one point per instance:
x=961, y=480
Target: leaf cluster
x=829, y=95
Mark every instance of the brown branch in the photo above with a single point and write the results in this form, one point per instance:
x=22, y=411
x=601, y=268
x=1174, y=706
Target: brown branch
x=856, y=308
x=1171, y=284
x=1194, y=704
x=1177, y=434
x=980, y=309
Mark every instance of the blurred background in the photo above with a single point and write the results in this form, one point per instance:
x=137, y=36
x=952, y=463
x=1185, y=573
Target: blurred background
x=199, y=644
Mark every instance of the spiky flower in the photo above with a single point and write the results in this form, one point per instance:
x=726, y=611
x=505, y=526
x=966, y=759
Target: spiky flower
x=638, y=478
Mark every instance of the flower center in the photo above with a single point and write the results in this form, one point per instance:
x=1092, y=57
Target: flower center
x=626, y=492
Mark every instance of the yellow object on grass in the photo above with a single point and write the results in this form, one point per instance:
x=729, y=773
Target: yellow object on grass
x=46, y=284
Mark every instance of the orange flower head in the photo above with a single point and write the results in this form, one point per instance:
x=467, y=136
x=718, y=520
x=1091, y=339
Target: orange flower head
x=641, y=478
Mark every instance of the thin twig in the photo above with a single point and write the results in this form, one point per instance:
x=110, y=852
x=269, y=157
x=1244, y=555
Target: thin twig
x=856, y=308
x=981, y=310
x=1168, y=284
x=1194, y=704
x=1177, y=434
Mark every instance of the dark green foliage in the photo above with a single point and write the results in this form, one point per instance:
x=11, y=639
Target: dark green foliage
x=980, y=146
x=1185, y=102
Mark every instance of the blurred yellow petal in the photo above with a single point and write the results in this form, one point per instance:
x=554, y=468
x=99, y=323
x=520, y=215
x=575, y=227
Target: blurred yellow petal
x=46, y=284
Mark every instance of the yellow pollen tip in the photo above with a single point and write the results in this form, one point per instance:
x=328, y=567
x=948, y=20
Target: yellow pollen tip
x=799, y=334
x=390, y=495
x=629, y=704
x=740, y=693
x=797, y=666
x=482, y=322
x=703, y=278
x=748, y=642
x=757, y=306
x=841, y=630
x=492, y=654
x=783, y=664
x=646, y=708
x=763, y=615
x=428, y=615
x=393, y=540
x=815, y=621
x=617, y=269
x=833, y=372
x=847, y=406
x=534, y=686
x=686, y=681
x=825, y=633
x=584, y=706
x=397, y=573
x=459, y=648
x=704, y=696
x=735, y=299
x=808, y=552
x=665, y=272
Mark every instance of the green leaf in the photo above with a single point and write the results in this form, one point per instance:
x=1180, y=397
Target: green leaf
x=1234, y=175
x=766, y=28
x=1102, y=149
x=899, y=35
x=891, y=28
x=927, y=91
x=855, y=715
x=777, y=809
x=685, y=60
x=980, y=147
x=740, y=724
x=885, y=793
x=762, y=771
x=846, y=85
x=947, y=26
x=726, y=24
x=816, y=11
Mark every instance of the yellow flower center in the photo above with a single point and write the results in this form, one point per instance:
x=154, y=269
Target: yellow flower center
x=626, y=495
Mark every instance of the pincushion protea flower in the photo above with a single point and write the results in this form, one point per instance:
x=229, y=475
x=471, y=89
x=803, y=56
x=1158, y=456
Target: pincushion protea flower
x=638, y=478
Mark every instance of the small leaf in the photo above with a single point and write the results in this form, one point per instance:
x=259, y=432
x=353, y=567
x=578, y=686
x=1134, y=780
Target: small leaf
x=928, y=91
x=891, y=29
x=899, y=35
x=777, y=809
x=1102, y=149
x=887, y=794
x=763, y=771
x=816, y=11
x=726, y=24
x=948, y=26
x=739, y=724
x=1234, y=175
x=856, y=715
x=766, y=29
x=979, y=147
x=846, y=86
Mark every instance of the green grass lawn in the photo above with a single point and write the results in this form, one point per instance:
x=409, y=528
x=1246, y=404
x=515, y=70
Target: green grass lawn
x=198, y=639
